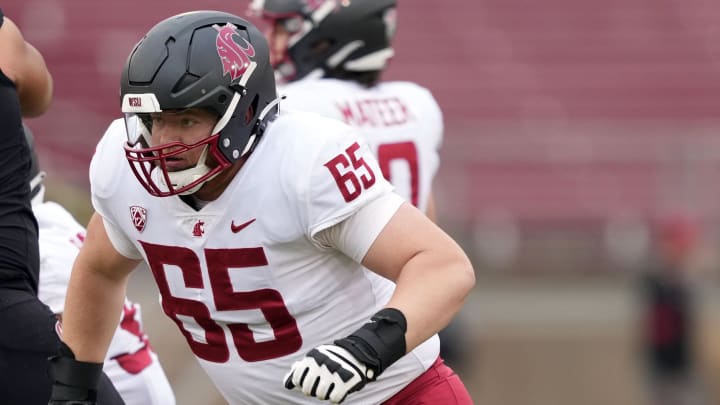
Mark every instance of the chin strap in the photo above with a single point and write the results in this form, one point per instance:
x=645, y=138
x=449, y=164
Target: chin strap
x=184, y=177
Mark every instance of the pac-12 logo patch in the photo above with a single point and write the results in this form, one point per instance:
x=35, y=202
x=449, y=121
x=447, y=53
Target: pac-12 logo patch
x=139, y=217
x=235, y=57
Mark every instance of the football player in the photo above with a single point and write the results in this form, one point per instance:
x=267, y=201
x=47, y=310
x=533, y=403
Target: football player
x=278, y=248
x=28, y=335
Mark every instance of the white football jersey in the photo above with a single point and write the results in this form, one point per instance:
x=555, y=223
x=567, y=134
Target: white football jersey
x=401, y=121
x=131, y=365
x=243, y=278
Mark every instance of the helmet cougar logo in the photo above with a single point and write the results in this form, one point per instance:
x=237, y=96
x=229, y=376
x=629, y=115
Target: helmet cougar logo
x=235, y=57
x=139, y=217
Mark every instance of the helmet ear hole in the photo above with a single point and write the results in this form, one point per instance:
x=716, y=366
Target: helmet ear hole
x=318, y=48
x=222, y=99
x=250, y=112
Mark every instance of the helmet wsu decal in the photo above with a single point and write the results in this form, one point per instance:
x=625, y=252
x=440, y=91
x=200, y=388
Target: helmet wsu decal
x=235, y=57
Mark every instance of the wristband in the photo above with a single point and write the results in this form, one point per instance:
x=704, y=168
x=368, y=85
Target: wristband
x=72, y=379
x=380, y=342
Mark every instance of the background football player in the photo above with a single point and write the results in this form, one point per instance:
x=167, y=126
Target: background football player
x=131, y=364
x=28, y=335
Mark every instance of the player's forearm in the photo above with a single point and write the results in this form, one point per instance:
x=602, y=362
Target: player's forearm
x=92, y=308
x=430, y=292
x=431, y=288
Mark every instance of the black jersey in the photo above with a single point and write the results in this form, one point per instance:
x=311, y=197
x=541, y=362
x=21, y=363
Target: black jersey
x=19, y=256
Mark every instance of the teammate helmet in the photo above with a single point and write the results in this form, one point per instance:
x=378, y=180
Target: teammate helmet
x=331, y=38
x=201, y=59
x=37, y=189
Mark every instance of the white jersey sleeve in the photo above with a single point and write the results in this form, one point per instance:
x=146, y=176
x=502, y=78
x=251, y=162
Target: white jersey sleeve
x=60, y=238
x=355, y=235
x=345, y=178
x=102, y=183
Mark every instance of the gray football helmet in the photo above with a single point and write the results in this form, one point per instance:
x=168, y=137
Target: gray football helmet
x=207, y=59
x=331, y=38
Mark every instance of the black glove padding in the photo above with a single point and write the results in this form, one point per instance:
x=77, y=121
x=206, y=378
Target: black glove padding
x=74, y=382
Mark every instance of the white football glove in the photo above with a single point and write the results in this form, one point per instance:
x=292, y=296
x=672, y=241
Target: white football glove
x=328, y=372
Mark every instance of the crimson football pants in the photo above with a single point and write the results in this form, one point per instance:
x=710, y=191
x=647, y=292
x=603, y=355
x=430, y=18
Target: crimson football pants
x=438, y=385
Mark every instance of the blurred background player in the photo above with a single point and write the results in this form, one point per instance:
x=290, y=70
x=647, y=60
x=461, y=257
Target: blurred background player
x=28, y=335
x=131, y=364
x=329, y=57
x=668, y=293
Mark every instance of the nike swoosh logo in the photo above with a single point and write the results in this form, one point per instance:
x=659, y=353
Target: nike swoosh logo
x=237, y=228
